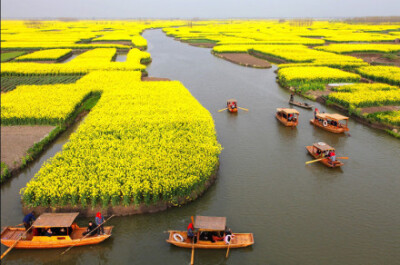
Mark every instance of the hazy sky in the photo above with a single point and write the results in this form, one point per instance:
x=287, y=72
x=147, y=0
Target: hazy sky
x=197, y=8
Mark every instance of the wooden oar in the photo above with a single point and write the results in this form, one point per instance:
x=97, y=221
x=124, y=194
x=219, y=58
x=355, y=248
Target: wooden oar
x=316, y=160
x=227, y=251
x=312, y=161
x=222, y=109
x=88, y=234
x=15, y=243
x=192, y=258
x=243, y=109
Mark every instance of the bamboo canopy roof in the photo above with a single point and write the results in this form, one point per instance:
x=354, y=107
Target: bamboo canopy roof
x=323, y=146
x=287, y=111
x=210, y=223
x=232, y=100
x=335, y=116
x=55, y=220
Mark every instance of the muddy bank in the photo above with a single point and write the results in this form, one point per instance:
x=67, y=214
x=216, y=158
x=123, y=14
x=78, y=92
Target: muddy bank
x=244, y=59
x=121, y=210
x=202, y=44
x=16, y=140
x=267, y=57
x=152, y=78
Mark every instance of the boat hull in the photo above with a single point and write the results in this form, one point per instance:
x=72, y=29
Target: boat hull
x=233, y=110
x=286, y=122
x=328, y=127
x=325, y=161
x=301, y=105
x=11, y=234
x=239, y=240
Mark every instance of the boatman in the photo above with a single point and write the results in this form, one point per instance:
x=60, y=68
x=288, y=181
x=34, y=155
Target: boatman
x=28, y=220
x=190, y=231
x=291, y=97
x=332, y=157
x=316, y=111
x=99, y=221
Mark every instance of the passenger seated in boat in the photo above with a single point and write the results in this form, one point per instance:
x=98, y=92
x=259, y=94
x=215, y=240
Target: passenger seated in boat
x=90, y=230
x=48, y=233
x=205, y=236
x=290, y=118
x=233, y=105
x=36, y=231
x=216, y=236
x=62, y=232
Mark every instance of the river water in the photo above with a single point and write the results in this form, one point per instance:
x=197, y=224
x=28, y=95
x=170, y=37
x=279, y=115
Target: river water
x=299, y=214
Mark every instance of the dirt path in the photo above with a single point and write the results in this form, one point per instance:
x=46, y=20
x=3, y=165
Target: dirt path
x=377, y=58
x=379, y=109
x=126, y=42
x=16, y=140
x=244, y=59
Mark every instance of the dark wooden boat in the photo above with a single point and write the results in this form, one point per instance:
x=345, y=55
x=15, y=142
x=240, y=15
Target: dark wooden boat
x=33, y=240
x=300, y=104
x=210, y=224
x=320, y=150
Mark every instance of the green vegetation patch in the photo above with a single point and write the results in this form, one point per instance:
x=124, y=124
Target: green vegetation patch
x=7, y=56
x=9, y=83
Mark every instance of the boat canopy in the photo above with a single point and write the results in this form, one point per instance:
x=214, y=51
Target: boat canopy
x=231, y=100
x=287, y=111
x=209, y=223
x=323, y=146
x=335, y=116
x=55, y=220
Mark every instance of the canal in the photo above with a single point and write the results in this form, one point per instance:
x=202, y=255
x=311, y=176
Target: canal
x=299, y=214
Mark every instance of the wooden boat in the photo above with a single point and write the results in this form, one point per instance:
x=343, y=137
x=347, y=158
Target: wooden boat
x=300, y=104
x=55, y=221
x=289, y=117
x=331, y=122
x=231, y=104
x=209, y=224
x=321, y=149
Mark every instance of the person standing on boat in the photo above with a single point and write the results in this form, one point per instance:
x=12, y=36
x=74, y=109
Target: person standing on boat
x=316, y=111
x=190, y=231
x=332, y=157
x=291, y=97
x=99, y=220
x=28, y=220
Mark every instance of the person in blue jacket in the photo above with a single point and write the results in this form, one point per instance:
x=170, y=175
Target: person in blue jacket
x=28, y=220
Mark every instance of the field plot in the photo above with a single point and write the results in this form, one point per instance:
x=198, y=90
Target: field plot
x=45, y=55
x=158, y=149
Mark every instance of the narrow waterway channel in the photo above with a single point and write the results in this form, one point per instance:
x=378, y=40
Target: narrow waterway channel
x=299, y=214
